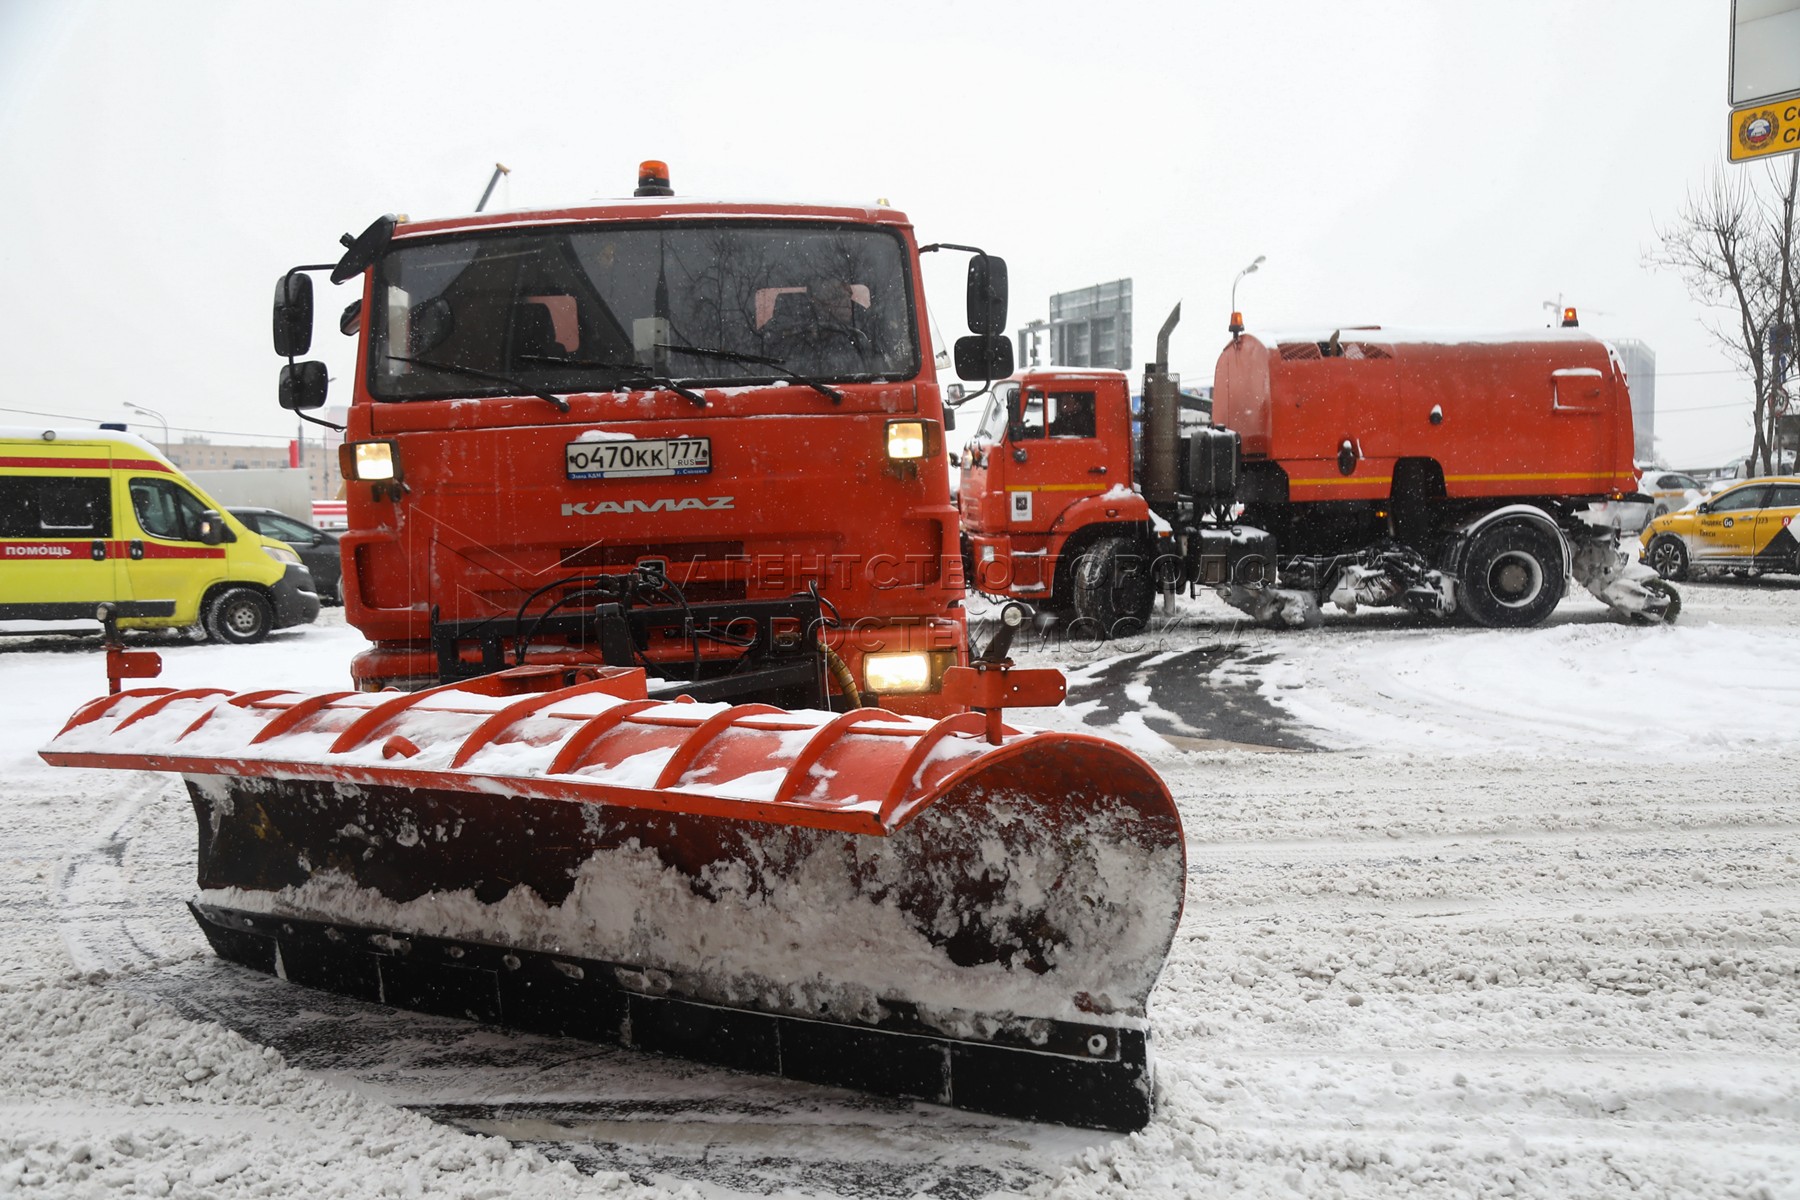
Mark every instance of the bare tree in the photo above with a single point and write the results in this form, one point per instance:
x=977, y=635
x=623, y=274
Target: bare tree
x=1733, y=244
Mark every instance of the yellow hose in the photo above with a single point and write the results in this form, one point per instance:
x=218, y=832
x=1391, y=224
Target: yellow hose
x=841, y=672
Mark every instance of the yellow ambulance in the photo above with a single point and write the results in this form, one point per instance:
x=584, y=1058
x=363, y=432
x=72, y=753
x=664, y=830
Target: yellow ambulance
x=97, y=515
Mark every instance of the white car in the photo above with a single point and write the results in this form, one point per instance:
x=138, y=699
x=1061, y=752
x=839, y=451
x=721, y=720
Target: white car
x=1670, y=489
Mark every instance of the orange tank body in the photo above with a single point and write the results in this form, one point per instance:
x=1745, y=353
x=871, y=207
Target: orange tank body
x=1543, y=414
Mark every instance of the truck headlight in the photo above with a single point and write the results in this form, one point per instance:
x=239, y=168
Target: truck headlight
x=371, y=461
x=282, y=554
x=906, y=440
x=908, y=672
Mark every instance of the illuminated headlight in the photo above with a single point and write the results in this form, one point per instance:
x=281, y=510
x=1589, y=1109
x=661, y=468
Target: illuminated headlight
x=897, y=672
x=281, y=554
x=374, y=460
x=906, y=440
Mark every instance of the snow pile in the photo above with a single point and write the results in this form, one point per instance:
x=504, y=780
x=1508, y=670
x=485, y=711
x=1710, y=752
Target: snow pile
x=108, y=1095
x=844, y=922
x=1683, y=692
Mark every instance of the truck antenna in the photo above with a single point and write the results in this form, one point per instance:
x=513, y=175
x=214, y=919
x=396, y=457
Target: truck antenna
x=499, y=170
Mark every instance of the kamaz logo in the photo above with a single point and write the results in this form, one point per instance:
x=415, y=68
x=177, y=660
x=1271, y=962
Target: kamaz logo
x=600, y=508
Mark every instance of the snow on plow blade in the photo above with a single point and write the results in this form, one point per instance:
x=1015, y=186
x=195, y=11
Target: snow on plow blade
x=863, y=899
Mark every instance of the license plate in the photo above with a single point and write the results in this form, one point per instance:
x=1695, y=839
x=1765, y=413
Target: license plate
x=639, y=457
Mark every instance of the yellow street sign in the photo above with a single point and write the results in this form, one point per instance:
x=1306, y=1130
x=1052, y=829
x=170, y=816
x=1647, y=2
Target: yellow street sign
x=1760, y=130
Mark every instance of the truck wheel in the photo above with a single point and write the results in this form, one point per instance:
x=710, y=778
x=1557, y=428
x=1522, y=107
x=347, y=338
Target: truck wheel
x=239, y=616
x=1667, y=557
x=1513, y=577
x=1112, y=586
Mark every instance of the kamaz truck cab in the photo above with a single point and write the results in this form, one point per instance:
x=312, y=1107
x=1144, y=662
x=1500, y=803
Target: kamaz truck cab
x=700, y=436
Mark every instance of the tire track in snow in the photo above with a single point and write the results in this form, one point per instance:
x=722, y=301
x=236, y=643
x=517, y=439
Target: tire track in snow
x=604, y=1108
x=102, y=927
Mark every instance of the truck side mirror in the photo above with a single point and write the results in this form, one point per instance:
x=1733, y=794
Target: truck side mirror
x=303, y=385
x=984, y=356
x=293, y=315
x=987, y=300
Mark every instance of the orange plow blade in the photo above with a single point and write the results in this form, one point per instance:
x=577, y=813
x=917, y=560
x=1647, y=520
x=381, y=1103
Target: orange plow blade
x=861, y=899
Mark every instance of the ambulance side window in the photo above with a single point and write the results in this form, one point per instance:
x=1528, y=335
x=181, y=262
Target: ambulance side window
x=38, y=508
x=76, y=506
x=166, y=510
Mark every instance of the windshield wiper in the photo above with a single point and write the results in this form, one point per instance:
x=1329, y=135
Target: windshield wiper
x=635, y=374
x=824, y=389
x=453, y=369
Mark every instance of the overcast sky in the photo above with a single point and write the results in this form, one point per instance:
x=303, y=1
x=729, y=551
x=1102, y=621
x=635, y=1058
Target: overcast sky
x=1444, y=165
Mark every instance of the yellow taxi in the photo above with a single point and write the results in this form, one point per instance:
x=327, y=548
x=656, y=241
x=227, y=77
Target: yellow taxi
x=1748, y=526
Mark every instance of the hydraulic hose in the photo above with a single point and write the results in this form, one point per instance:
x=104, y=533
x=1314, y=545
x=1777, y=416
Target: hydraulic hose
x=840, y=671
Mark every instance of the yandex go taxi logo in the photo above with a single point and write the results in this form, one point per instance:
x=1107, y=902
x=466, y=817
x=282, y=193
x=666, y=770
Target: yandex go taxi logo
x=601, y=508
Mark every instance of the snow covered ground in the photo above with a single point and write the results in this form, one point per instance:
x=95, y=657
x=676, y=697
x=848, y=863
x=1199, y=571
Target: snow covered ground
x=1469, y=913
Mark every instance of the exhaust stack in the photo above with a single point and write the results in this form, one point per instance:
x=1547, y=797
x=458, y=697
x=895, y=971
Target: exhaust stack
x=1162, y=425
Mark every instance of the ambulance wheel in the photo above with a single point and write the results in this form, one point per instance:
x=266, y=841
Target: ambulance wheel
x=1513, y=576
x=1667, y=557
x=1113, y=587
x=239, y=616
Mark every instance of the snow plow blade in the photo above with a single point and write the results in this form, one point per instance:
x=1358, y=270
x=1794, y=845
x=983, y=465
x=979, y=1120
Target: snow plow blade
x=863, y=899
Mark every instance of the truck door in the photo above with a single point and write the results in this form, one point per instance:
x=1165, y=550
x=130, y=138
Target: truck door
x=1728, y=526
x=55, y=543
x=1055, y=455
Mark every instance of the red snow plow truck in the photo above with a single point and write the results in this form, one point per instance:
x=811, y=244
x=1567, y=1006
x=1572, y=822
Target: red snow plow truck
x=1471, y=475
x=670, y=733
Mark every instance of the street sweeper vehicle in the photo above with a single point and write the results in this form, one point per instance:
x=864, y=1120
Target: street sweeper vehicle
x=1474, y=475
x=669, y=732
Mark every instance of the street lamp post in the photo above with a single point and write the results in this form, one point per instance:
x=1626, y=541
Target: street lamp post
x=1237, y=318
x=151, y=412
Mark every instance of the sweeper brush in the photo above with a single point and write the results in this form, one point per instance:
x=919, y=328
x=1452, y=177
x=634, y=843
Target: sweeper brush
x=948, y=910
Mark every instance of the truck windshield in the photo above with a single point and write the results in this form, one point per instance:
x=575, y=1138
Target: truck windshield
x=1003, y=403
x=575, y=308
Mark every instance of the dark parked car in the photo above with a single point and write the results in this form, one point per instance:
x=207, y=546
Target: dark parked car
x=316, y=548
